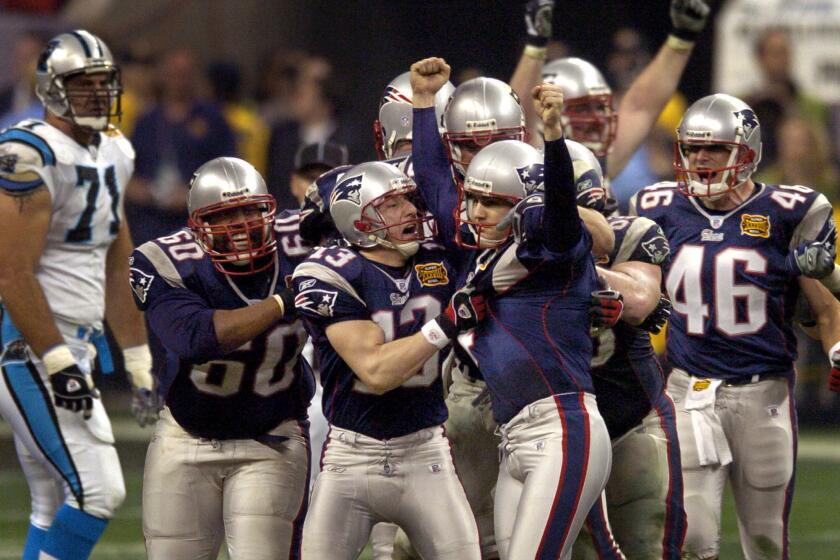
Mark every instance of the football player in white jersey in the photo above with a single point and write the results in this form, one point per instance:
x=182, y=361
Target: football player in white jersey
x=64, y=249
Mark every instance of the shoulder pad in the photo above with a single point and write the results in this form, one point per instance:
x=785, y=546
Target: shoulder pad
x=24, y=159
x=287, y=220
x=338, y=266
x=113, y=134
x=161, y=263
x=639, y=239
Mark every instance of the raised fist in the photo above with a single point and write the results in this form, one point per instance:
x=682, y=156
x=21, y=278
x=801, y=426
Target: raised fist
x=427, y=77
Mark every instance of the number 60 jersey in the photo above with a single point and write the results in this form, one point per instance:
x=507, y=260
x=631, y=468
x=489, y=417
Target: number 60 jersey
x=242, y=394
x=732, y=296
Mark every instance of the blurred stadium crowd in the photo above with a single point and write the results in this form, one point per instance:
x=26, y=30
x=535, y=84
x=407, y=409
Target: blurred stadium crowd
x=181, y=109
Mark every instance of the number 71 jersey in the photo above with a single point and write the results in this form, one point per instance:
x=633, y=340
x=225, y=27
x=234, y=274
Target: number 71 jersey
x=85, y=186
x=733, y=297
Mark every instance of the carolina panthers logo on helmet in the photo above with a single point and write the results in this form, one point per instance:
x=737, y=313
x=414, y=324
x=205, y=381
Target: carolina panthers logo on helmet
x=532, y=177
x=349, y=189
x=45, y=54
x=748, y=121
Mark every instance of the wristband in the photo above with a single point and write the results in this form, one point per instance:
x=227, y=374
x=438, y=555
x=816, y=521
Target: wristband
x=679, y=44
x=538, y=53
x=58, y=358
x=279, y=301
x=835, y=348
x=138, y=366
x=435, y=335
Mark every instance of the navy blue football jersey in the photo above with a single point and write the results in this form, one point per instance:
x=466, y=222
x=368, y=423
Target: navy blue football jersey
x=625, y=372
x=338, y=284
x=732, y=296
x=535, y=341
x=244, y=393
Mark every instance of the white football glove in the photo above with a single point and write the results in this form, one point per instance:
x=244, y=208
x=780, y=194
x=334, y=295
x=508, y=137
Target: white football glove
x=145, y=404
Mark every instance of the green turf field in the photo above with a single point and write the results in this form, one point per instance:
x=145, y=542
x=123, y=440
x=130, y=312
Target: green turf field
x=814, y=531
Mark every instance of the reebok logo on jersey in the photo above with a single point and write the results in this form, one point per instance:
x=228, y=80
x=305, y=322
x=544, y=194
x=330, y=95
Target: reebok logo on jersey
x=711, y=235
x=755, y=225
x=431, y=274
x=140, y=283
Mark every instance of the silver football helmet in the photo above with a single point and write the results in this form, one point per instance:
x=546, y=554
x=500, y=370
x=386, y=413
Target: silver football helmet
x=509, y=170
x=588, y=114
x=231, y=215
x=375, y=203
x=480, y=111
x=72, y=55
x=395, y=113
x=725, y=122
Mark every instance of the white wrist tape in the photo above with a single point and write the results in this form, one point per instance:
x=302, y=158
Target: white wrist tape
x=138, y=366
x=280, y=303
x=57, y=358
x=434, y=335
x=835, y=348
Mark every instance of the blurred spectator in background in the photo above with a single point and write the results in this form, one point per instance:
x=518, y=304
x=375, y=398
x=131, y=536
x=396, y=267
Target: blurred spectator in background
x=629, y=56
x=312, y=161
x=172, y=140
x=138, y=79
x=315, y=111
x=804, y=158
x=17, y=99
x=779, y=95
x=250, y=131
x=277, y=84
x=654, y=160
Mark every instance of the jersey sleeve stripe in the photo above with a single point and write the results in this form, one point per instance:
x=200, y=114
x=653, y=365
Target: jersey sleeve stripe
x=165, y=268
x=632, y=238
x=18, y=186
x=327, y=275
x=32, y=140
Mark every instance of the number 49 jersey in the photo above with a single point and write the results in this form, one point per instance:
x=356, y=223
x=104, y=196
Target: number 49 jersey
x=733, y=297
x=241, y=394
x=85, y=185
x=338, y=284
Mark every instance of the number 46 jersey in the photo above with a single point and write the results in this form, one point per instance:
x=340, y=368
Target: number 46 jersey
x=733, y=297
x=236, y=395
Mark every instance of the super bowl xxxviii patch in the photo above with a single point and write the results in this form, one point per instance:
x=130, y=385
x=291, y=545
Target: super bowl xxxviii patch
x=755, y=225
x=431, y=274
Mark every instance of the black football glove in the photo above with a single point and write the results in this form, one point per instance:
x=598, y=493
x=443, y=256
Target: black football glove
x=813, y=259
x=606, y=310
x=539, y=15
x=688, y=18
x=287, y=297
x=465, y=310
x=73, y=390
x=654, y=322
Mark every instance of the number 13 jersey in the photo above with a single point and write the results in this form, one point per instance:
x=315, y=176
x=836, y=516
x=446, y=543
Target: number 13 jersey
x=733, y=297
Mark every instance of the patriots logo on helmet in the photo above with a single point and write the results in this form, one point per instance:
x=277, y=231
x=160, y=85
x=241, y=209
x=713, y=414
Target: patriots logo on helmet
x=748, y=121
x=349, y=189
x=393, y=95
x=532, y=177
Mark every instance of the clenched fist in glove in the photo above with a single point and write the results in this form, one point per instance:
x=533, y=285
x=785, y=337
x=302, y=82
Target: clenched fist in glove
x=465, y=310
x=72, y=388
x=813, y=259
x=538, y=21
x=688, y=18
x=606, y=310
